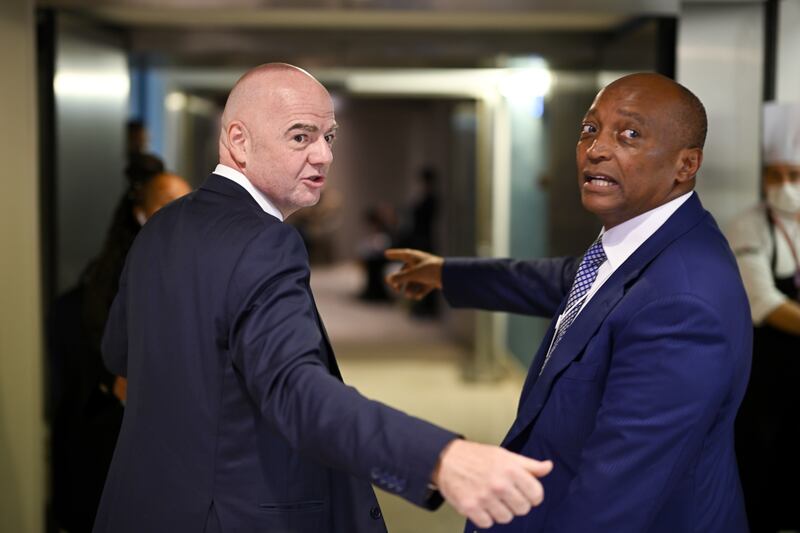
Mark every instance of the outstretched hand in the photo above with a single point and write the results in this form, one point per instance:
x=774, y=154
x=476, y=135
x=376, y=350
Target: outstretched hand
x=420, y=274
x=488, y=484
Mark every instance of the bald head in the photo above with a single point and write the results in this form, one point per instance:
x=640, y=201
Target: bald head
x=686, y=115
x=277, y=130
x=261, y=88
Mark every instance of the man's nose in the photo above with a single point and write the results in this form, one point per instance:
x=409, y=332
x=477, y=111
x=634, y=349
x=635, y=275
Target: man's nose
x=321, y=153
x=598, y=149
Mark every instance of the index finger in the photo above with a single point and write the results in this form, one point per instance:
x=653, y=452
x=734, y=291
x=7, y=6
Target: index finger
x=401, y=254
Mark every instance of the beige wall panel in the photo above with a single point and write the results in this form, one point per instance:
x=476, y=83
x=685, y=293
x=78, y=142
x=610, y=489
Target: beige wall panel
x=22, y=465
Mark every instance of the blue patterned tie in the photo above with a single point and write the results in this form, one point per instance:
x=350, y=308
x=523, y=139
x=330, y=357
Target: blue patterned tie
x=587, y=273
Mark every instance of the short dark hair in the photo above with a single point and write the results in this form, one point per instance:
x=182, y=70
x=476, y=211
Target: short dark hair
x=692, y=120
x=141, y=168
x=134, y=125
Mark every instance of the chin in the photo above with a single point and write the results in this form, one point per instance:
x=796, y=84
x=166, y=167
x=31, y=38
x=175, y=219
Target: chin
x=597, y=207
x=590, y=204
x=309, y=200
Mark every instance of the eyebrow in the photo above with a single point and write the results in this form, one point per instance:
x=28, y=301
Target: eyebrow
x=310, y=128
x=632, y=114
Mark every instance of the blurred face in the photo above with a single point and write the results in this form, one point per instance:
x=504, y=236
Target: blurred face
x=780, y=174
x=158, y=192
x=628, y=154
x=291, y=136
x=782, y=188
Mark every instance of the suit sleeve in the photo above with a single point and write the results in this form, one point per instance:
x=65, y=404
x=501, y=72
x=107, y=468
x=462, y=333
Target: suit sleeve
x=534, y=287
x=275, y=344
x=670, y=373
x=115, y=335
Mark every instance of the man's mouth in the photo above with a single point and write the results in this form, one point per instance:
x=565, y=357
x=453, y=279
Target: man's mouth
x=599, y=180
x=316, y=180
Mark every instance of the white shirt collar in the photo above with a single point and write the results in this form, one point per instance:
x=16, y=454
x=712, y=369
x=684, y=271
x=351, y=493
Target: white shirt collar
x=621, y=241
x=260, y=198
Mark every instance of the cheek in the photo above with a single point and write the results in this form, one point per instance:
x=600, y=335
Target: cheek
x=580, y=153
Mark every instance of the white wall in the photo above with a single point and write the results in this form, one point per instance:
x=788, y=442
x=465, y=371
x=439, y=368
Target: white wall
x=720, y=58
x=22, y=434
x=787, y=84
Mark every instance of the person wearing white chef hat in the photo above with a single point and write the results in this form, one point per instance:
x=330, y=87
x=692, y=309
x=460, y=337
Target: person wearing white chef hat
x=766, y=241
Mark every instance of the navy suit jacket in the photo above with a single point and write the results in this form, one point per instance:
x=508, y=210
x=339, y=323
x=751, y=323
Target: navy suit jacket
x=236, y=411
x=637, y=404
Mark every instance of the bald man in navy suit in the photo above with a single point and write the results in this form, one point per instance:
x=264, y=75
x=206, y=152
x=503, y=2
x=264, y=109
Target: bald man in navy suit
x=237, y=419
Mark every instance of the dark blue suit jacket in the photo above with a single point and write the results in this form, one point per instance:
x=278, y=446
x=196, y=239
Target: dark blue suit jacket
x=637, y=404
x=234, y=397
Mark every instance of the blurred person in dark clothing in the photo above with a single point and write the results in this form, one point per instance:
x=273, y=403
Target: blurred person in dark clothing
x=420, y=232
x=766, y=241
x=370, y=250
x=88, y=400
x=135, y=138
x=423, y=211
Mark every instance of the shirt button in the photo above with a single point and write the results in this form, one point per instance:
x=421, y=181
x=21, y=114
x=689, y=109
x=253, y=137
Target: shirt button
x=376, y=513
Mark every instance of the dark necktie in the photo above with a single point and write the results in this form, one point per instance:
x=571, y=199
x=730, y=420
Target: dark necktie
x=587, y=273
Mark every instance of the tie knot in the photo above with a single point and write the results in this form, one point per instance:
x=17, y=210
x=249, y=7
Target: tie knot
x=595, y=255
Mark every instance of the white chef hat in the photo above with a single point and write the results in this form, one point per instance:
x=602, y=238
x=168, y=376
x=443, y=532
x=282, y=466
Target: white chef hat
x=781, y=138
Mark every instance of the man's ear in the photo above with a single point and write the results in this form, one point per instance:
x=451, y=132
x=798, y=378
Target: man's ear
x=689, y=161
x=238, y=142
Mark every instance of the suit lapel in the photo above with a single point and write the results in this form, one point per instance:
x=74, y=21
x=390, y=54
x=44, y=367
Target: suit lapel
x=537, y=388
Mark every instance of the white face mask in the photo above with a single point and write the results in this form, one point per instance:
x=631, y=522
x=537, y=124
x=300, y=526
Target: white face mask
x=784, y=198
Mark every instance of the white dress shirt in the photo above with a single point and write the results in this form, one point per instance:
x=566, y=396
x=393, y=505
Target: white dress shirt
x=262, y=200
x=621, y=241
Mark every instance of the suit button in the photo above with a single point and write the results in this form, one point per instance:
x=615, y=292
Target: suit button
x=376, y=513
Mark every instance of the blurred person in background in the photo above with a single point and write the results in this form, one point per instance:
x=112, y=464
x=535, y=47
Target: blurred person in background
x=766, y=241
x=635, y=387
x=136, y=139
x=237, y=417
x=419, y=231
x=371, y=247
x=318, y=225
x=88, y=399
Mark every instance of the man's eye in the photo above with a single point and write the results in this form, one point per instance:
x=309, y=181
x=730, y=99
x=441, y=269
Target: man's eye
x=300, y=138
x=630, y=134
x=329, y=138
x=587, y=128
